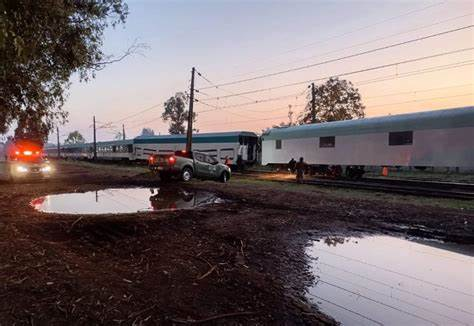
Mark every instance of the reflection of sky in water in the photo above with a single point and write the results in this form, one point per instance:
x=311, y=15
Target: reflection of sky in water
x=122, y=200
x=391, y=281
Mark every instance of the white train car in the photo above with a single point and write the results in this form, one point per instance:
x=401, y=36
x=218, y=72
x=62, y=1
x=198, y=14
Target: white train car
x=115, y=150
x=441, y=138
x=219, y=145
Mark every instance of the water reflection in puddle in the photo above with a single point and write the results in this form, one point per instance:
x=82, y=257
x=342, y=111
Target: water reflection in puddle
x=123, y=200
x=385, y=280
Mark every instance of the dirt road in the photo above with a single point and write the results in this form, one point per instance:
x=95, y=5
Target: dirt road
x=237, y=263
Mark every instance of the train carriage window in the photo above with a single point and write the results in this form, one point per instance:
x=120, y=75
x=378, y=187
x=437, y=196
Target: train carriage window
x=278, y=144
x=327, y=142
x=400, y=138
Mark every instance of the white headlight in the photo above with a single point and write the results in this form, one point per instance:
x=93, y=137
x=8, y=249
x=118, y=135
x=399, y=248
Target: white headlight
x=46, y=168
x=21, y=168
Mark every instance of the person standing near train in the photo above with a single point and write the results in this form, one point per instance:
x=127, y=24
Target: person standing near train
x=300, y=169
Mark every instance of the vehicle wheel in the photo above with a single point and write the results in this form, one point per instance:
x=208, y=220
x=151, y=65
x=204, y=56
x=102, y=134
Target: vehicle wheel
x=187, y=174
x=224, y=177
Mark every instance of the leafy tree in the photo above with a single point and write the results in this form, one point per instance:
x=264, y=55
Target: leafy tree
x=42, y=43
x=30, y=126
x=75, y=137
x=147, y=132
x=280, y=125
x=176, y=113
x=335, y=100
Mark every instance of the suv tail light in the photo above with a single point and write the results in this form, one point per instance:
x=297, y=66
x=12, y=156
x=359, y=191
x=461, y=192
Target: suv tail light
x=172, y=160
x=151, y=159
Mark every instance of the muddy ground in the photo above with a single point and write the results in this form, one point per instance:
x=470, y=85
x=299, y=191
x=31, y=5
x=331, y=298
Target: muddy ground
x=238, y=263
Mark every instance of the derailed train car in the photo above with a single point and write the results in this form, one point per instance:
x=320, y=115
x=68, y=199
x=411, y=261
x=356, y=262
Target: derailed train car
x=441, y=138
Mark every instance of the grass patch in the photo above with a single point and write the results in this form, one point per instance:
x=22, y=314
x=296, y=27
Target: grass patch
x=461, y=177
x=123, y=167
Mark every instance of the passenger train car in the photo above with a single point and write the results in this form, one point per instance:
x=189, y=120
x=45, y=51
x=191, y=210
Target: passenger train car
x=442, y=138
x=219, y=145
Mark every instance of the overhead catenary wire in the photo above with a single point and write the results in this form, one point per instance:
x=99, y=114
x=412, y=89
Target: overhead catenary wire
x=249, y=103
x=343, y=57
x=422, y=100
x=396, y=288
x=393, y=64
x=378, y=302
x=213, y=85
x=390, y=296
x=346, y=309
x=361, y=43
x=419, y=91
x=383, y=21
x=399, y=273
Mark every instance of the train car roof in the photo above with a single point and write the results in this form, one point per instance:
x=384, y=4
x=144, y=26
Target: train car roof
x=211, y=137
x=437, y=119
x=115, y=142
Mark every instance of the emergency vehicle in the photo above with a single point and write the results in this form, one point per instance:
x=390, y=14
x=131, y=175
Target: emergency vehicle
x=23, y=160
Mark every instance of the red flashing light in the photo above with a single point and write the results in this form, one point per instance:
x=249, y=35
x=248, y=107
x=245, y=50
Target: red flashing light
x=17, y=153
x=151, y=159
x=172, y=160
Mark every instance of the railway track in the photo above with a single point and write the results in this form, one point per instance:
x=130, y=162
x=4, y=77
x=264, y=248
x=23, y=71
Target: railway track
x=406, y=187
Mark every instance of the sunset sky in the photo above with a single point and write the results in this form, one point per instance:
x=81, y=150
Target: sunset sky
x=233, y=40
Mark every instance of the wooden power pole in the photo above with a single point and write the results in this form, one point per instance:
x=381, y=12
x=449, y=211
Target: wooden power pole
x=123, y=131
x=189, y=138
x=313, y=104
x=95, y=139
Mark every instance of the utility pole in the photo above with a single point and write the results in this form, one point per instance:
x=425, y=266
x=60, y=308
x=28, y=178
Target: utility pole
x=59, y=146
x=189, y=138
x=95, y=139
x=290, y=115
x=123, y=131
x=313, y=104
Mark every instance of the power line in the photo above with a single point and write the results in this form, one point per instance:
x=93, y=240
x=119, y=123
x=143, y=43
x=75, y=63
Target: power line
x=249, y=103
x=344, y=57
x=217, y=87
x=421, y=100
x=346, y=309
x=399, y=273
x=360, y=44
x=244, y=121
x=419, y=91
x=378, y=302
x=415, y=72
x=138, y=113
x=393, y=64
x=395, y=288
x=389, y=296
x=356, y=30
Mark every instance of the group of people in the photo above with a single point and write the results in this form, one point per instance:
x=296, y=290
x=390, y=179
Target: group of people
x=298, y=167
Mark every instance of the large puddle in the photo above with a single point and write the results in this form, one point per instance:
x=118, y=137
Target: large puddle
x=385, y=280
x=123, y=200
